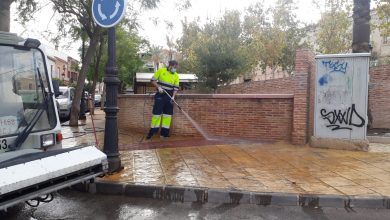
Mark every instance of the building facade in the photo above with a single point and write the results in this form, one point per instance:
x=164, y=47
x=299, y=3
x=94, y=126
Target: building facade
x=380, y=43
x=62, y=66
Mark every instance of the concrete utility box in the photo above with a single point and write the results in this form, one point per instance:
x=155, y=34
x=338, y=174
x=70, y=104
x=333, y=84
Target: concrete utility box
x=341, y=97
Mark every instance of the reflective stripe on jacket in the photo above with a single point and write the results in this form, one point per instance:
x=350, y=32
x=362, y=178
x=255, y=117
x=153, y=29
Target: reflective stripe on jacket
x=166, y=79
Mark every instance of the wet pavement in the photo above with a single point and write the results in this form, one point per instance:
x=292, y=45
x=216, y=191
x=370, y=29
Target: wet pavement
x=243, y=165
x=76, y=205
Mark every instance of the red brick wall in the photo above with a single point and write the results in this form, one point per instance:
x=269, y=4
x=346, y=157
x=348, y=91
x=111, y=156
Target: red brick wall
x=379, y=96
x=303, y=108
x=252, y=116
x=266, y=117
x=273, y=86
x=302, y=85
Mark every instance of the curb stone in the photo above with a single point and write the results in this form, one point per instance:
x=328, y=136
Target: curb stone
x=109, y=188
x=228, y=196
x=144, y=191
x=374, y=202
x=183, y=194
x=315, y=201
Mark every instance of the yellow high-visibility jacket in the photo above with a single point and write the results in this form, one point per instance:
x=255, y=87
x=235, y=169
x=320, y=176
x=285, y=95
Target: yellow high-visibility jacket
x=167, y=80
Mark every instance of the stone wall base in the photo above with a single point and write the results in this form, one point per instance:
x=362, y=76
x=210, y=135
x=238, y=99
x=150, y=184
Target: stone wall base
x=339, y=144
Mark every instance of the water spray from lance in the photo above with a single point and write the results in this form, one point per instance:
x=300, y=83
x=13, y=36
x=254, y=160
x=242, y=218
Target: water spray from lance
x=196, y=125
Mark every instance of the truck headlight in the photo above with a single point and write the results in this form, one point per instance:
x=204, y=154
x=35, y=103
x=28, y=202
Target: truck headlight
x=47, y=140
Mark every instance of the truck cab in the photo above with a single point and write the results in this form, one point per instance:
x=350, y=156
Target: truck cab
x=32, y=161
x=26, y=97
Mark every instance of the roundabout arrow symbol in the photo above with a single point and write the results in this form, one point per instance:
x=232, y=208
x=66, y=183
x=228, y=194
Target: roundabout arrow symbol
x=103, y=16
x=108, y=13
x=117, y=5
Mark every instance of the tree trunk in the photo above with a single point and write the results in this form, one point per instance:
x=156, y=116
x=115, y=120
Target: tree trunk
x=95, y=78
x=74, y=115
x=96, y=72
x=5, y=15
x=361, y=26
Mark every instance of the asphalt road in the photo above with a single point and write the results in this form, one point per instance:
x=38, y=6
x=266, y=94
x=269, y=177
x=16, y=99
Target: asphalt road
x=76, y=205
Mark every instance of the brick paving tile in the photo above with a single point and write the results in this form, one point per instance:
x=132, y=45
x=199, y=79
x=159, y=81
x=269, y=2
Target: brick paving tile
x=259, y=167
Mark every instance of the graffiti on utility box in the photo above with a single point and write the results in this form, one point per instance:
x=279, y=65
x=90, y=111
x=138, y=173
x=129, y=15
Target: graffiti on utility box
x=343, y=119
x=336, y=66
x=332, y=67
x=341, y=96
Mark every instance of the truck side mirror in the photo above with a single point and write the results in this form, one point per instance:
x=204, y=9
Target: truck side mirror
x=56, y=88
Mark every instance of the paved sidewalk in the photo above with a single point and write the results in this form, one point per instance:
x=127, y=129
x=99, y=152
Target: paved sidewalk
x=246, y=166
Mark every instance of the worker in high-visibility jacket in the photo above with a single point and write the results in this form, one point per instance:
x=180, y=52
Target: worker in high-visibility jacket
x=167, y=79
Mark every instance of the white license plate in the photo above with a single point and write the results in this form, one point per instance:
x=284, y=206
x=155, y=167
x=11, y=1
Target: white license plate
x=4, y=145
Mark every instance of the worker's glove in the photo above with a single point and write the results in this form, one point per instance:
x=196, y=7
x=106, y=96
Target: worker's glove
x=160, y=90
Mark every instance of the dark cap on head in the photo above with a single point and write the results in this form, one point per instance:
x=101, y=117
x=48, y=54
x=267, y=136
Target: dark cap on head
x=172, y=63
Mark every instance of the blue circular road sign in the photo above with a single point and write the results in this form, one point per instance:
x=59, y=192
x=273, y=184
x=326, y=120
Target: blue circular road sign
x=108, y=13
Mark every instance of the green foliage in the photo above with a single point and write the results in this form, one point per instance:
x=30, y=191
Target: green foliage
x=294, y=33
x=274, y=42
x=216, y=52
x=89, y=88
x=26, y=9
x=334, y=33
x=220, y=51
x=96, y=70
x=128, y=61
x=76, y=21
x=383, y=12
x=60, y=82
x=72, y=85
x=191, y=35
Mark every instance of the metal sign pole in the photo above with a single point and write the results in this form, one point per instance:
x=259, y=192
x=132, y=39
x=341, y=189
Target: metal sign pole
x=111, y=108
x=106, y=14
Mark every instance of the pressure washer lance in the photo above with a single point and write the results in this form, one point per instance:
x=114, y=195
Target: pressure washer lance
x=173, y=100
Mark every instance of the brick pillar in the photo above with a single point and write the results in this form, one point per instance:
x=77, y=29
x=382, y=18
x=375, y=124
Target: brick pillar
x=304, y=71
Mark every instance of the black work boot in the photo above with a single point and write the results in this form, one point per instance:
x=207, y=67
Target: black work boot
x=149, y=136
x=164, y=133
x=164, y=136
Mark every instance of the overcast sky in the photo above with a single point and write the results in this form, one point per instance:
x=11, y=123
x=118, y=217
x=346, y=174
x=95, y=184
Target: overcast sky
x=204, y=9
x=208, y=9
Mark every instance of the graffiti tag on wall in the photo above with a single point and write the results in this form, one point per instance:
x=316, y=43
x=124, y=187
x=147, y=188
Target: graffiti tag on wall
x=336, y=66
x=339, y=119
x=332, y=67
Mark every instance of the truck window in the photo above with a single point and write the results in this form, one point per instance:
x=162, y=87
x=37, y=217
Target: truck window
x=21, y=91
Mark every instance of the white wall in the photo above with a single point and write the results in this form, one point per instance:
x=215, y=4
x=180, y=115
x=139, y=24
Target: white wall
x=51, y=68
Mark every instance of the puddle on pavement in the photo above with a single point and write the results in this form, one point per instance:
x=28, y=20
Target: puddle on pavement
x=130, y=140
x=184, y=141
x=260, y=166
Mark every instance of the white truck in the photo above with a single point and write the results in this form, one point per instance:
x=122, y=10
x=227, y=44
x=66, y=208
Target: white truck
x=32, y=161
